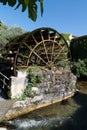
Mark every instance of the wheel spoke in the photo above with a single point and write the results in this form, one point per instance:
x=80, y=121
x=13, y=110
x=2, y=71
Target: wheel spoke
x=46, y=51
x=44, y=47
x=38, y=56
x=34, y=39
x=48, y=35
x=52, y=51
x=33, y=51
x=58, y=54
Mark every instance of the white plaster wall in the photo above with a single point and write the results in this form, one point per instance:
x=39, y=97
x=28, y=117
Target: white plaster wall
x=18, y=84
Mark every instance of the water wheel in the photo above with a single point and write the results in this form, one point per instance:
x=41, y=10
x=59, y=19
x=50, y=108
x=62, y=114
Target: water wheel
x=43, y=47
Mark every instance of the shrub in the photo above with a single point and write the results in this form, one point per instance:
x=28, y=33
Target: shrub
x=80, y=68
x=33, y=79
x=38, y=78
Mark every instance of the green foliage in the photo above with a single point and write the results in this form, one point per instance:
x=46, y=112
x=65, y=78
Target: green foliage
x=33, y=80
x=23, y=97
x=27, y=91
x=66, y=36
x=32, y=6
x=8, y=33
x=9, y=92
x=78, y=47
x=38, y=78
x=63, y=64
x=2, y=59
x=31, y=77
x=80, y=68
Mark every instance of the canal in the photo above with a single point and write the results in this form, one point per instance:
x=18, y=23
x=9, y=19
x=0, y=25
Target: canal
x=68, y=115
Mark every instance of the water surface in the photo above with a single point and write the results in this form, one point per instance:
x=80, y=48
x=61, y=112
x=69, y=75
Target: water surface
x=68, y=115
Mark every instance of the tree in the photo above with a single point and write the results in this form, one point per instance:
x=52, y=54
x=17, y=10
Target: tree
x=8, y=33
x=31, y=5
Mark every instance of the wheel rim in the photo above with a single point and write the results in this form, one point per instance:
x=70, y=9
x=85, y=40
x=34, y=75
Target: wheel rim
x=44, y=47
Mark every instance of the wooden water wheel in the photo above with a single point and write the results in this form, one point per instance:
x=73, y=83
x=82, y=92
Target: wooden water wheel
x=43, y=47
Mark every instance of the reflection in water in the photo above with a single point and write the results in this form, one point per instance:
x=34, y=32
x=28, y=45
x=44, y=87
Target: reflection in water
x=68, y=115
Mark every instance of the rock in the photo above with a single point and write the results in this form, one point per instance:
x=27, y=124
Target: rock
x=52, y=87
x=35, y=90
x=37, y=99
x=73, y=80
x=46, y=90
x=18, y=104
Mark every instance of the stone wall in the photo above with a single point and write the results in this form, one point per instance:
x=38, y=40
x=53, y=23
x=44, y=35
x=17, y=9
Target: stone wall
x=57, y=83
x=55, y=87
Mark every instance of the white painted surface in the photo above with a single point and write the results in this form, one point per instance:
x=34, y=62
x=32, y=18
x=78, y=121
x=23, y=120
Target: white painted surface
x=1, y=128
x=18, y=84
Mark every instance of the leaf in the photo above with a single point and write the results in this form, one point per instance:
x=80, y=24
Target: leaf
x=11, y=2
x=4, y=2
x=24, y=7
x=21, y=2
x=32, y=10
x=32, y=14
x=17, y=6
x=30, y=4
x=26, y=2
x=41, y=6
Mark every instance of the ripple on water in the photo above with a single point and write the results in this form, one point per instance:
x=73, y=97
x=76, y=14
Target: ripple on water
x=73, y=115
x=31, y=124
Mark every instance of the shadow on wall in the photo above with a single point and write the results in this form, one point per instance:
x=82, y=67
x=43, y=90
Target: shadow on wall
x=5, y=73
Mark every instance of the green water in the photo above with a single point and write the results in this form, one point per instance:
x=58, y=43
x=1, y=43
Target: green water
x=68, y=115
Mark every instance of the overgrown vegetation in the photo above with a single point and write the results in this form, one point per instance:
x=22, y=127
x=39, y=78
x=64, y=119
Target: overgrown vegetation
x=2, y=59
x=80, y=68
x=33, y=80
x=8, y=33
x=67, y=37
x=63, y=64
x=78, y=48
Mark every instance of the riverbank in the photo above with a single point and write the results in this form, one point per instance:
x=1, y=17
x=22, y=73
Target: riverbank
x=70, y=114
x=54, y=88
x=16, y=111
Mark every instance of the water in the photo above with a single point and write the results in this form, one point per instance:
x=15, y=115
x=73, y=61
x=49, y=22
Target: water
x=68, y=115
x=32, y=124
